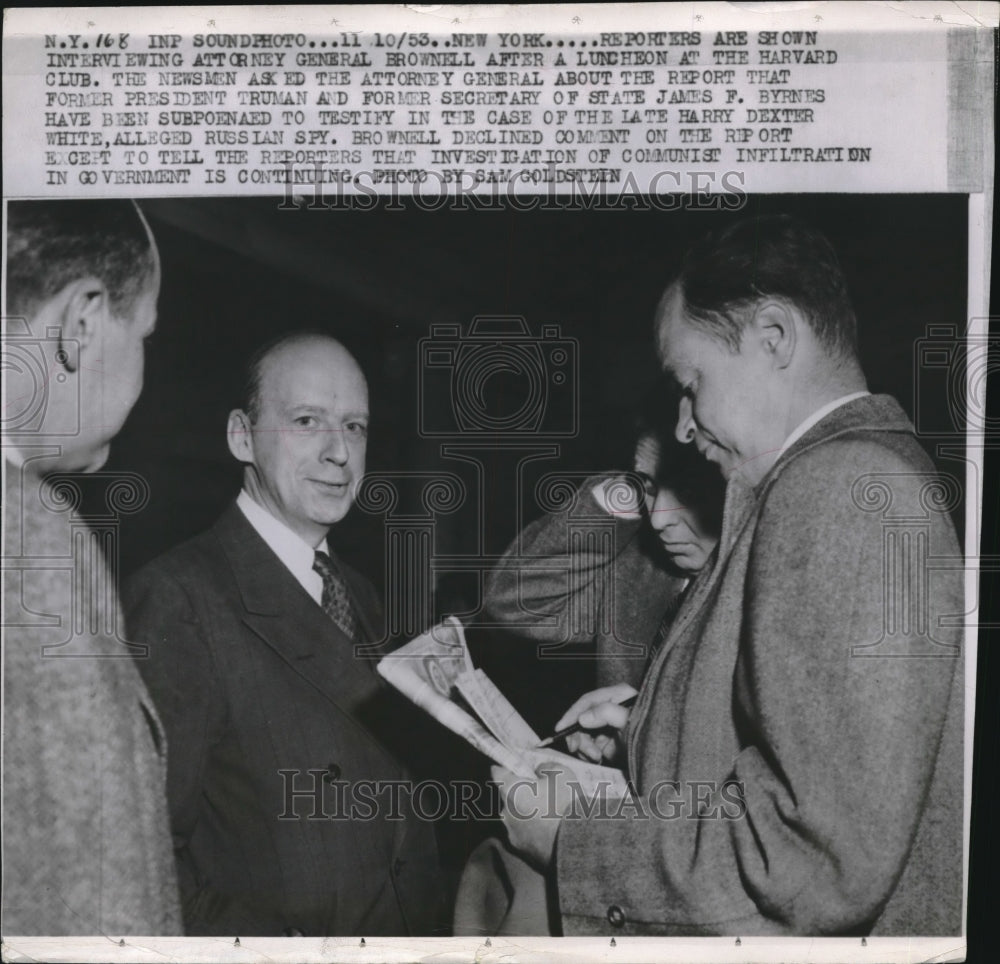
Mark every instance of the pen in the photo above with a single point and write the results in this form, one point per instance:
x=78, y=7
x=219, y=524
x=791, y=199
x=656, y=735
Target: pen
x=576, y=727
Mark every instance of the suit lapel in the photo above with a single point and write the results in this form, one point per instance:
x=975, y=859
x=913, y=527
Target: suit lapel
x=739, y=504
x=288, y=620
x=880, y=413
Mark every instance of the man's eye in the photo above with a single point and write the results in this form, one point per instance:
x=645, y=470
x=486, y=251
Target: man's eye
x=305, y=421
x=357, y=429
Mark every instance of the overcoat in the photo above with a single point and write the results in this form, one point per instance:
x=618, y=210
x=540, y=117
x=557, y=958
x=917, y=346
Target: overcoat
x=796, y=746
x=587, y=585
x=86, y=833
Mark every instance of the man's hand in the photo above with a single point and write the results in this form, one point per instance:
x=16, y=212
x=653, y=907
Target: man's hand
x=533, y=809
x=598, y=711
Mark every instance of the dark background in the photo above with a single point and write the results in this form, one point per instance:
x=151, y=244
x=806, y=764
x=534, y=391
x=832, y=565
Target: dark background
x=237, y=272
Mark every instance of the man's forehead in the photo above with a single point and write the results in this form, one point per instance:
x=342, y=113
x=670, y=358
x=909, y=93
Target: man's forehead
x=318, y=389
x=320, y=374
x=673, y=333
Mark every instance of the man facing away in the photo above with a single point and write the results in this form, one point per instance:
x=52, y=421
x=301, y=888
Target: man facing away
x=796, y=745
x=253, y=629
x=86, y=840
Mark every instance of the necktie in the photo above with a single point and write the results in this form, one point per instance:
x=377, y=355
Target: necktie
x=336, y=603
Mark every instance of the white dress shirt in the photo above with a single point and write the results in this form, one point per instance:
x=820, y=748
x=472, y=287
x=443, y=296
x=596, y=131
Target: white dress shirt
x=816, y=416
x=288, y=546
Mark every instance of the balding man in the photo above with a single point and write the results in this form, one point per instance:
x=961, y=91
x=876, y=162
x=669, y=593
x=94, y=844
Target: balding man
x=796, y=745
x=253, y=629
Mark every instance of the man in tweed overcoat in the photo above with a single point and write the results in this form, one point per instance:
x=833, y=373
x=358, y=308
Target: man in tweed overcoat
x=796, y=746
x=86, y=835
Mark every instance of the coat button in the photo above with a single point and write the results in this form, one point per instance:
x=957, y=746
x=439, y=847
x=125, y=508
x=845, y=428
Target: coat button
x=293, y=932
x=332, y=773
x=616, y=916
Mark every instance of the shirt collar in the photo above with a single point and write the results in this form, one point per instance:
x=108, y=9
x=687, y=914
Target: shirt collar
x=816, y=417
x=297, y=555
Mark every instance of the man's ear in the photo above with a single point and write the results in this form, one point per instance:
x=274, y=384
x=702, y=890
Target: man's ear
x=776, y=326
x=84, y=309
x=239, y=436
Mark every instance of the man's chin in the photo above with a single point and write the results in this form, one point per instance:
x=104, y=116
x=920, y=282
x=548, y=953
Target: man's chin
x=95, y=461
x=685, y=564
x=332, y=510
x=719, y=457
x=727, y=466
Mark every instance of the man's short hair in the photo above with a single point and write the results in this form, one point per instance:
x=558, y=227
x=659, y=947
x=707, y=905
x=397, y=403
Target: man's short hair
x=728, y=272
x=51, y=244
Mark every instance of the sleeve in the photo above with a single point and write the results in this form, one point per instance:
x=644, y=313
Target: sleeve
x=839, y=737
x=559, y=570
x=181, y=677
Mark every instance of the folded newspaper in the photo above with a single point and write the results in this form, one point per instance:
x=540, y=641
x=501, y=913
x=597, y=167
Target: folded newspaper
x=435, y=671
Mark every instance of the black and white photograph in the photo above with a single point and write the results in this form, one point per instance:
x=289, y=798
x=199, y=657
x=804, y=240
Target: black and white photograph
x=420, y=570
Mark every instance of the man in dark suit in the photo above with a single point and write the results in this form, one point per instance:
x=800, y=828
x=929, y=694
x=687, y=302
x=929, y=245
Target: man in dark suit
x=256, y=631
x=86, y=835
x=796, y=745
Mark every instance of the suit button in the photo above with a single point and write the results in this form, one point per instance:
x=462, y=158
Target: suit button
x=332, y=773
x=616, y=916
x=293, y=932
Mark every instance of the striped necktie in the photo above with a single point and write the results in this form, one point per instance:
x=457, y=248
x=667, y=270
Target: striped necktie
x=335, y=602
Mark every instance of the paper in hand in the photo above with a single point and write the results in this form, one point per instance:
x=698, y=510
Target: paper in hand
x=435, y=669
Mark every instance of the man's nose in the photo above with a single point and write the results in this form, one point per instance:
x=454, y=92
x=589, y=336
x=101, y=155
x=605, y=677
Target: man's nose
x=663, y=512
x=336, y=449
x=685, y=421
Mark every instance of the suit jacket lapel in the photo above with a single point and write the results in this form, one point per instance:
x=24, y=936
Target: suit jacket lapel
x=880, y=413
x=739, y=502
x=286, y=618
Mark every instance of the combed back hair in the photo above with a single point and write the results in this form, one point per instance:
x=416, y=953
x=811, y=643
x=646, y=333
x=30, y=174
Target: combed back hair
x=728, y=272
x=254, y=371
x=51, y=244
